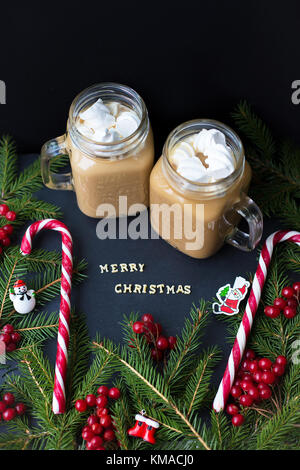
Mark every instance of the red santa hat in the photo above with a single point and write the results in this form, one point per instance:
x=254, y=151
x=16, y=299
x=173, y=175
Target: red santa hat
x=242, y=289
x=19, y=283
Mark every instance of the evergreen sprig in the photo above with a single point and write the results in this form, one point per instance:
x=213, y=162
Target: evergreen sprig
x=276, y=167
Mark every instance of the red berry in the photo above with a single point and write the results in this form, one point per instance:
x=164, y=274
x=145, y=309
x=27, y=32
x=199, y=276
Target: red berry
x=278, y=369
x=101, y=401
x=172, y=340
x=11, y=216
x=236, y=391
x=296, y=287
x=8, y=229
x=8, y=398
x=288, y=292
x=90, y=399
x=100, y=448
x=6, y=241
x=246, y=385
x=265, y=363
x=102, y=412
x=89, y=446
x=6, y=338
x=162, y=343
x=253, y=392
x=147, y=318
x=96, y=441
x=237, y=382
x=11, y=347
x=3, y=406
x=8, y=329
x=92, y=420
x=81, y=406
x=289, y=312
x=114, y=393
x=149, y=328
x=246, y=377
x=3, y=209
x=109, y=435
x=265, y=392
x=97, y=428
x=20, y=408
x=16, y=337
x=279, y=302
x=272, y=312
x=268, y=377
x=105, y=421
x=103, y=390
x=156, y=354
x=138, y=327
x=292, y=303
x=253, y=366
x=257, y=376
x=246, y=400
x=237, y=420
x=281, y=360
x=9, y=414
x=245, y=365
x=2, y=233
x=87, y=435
x=232, y=409
x=250, y=354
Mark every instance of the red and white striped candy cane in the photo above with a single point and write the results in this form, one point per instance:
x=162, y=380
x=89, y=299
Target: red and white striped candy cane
x=59, y=394
x=250, y=311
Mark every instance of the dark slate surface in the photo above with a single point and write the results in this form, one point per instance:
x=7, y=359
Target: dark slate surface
x=104, y=308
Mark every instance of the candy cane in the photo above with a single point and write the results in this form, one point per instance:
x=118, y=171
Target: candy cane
x=250, y=311
x=59, y=395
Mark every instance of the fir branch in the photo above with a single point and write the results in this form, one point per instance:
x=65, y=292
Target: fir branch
x=8, y=164
x=181, y=362
x=153, y=389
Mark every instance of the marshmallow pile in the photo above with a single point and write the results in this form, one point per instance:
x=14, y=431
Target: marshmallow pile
x=219, y=160
x=108, y=122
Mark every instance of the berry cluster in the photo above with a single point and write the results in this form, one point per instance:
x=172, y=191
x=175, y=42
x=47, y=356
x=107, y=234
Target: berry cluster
x=99, y=428
x=10, y=337
x=287, y=303
x=7, y=411
x=7, y=229
x=253, y=383
x=152, y=334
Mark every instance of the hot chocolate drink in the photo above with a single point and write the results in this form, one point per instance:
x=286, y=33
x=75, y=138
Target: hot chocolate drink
x=110, y=145
x=198, y=190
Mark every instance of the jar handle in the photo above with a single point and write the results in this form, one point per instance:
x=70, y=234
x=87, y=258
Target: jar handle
x=55, y=148
x=246, y=208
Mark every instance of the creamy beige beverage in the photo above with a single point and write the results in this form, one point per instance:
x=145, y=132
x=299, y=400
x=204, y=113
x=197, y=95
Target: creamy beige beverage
x=110, y=145
x=198, y=191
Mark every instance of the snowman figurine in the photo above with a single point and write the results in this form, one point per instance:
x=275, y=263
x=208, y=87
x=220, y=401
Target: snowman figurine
x=23, y=299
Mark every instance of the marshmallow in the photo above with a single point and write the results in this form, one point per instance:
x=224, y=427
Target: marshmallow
x=127, y=122
x=219, y=161
x=107, y=123
x=106, y=135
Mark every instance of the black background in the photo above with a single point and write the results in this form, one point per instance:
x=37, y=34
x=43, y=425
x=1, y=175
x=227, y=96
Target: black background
x=187, y=60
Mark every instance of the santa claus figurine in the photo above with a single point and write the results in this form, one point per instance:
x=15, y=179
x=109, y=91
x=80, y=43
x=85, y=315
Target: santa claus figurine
x=230, y=298
x=23, y=299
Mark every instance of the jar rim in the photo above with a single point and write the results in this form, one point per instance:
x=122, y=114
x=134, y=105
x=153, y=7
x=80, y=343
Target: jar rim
x=91, y=94
x=199, y=124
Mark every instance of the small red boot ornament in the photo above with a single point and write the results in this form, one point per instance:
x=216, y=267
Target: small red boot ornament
x=144, y=428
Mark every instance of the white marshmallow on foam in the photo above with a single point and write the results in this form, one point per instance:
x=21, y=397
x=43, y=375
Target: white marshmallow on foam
x=127, y=122
x=114, y=108
x=97, y=116
x=106, y=135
